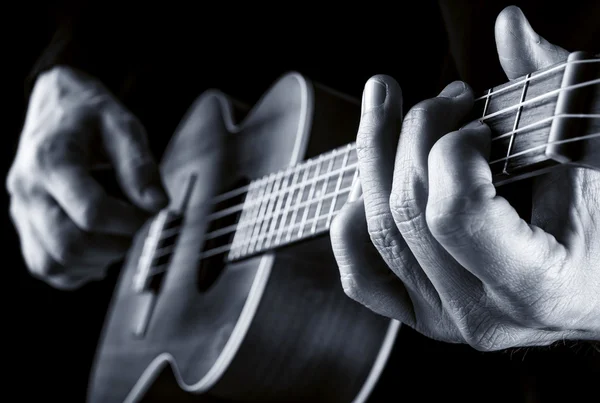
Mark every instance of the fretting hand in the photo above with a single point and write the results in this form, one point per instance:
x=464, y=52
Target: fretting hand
x=70, y=229
x=430, y=242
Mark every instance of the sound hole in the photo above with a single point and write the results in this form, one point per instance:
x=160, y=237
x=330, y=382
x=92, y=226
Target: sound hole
x=219, y=235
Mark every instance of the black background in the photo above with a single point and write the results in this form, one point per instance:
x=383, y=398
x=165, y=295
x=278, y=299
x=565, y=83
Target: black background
x=51, y=335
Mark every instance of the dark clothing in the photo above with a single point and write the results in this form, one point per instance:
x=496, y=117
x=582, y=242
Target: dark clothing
x=157, y=60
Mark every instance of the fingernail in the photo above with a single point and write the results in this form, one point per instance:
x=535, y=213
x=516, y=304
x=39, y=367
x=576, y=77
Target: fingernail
x=156, y=197
x=473, y=125
x=453, y=90
x=373, y=95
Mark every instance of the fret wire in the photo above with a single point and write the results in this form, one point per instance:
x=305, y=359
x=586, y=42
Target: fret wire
x=241, y=227
x=262, y=199
x=537, y=75
x=286, y=209
x=248, y=226
x=233, y=209
x=592, y=82
x=298, y=205
x=276, y=210
x=238, y=226
x=308, y=202
x=269, y=214
x=532, y=149
x=243, y=218
x=310, y=220
x=317, y=177
x=530, y=101
x=310, y=196
x=535, y=99
x=487, y=101
x=542, y=96
x=338, y=185
x=546, y=120
x=516, y=123
x=238, y=191
x=580, y=138
x=261, y=211
x=298, y=200
x=256, y=203
x=523, y=128
x=263, y=219
x=323, y=192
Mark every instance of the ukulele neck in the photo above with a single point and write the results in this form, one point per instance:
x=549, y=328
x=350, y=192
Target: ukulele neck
x=538, y=122
x=542, y=120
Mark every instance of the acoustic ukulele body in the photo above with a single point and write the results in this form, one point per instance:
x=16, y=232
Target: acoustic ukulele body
x=273, y=327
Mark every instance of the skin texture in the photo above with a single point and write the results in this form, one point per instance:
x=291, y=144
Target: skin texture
x=70, y=229
x=428, y=241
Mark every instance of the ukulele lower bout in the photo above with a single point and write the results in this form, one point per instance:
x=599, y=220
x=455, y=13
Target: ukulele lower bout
x=273, y=324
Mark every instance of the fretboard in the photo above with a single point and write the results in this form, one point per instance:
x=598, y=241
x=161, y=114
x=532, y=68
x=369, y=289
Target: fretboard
x=294, y=204
x=301, y=202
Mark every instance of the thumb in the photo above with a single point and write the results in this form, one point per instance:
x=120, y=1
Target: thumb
x=127, y=147
x=520, y=49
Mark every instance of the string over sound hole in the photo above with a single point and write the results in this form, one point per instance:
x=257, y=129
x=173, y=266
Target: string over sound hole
x=219, y=234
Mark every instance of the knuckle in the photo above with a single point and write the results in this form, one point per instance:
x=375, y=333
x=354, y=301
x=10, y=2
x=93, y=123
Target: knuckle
x=443, y=147
x=406, y=210
x=452, y=215
x=340, y=232
x=384, y=235
x=481, y=330
x=346, y=226
x=422, y=111
x=351, y=287
x=488, y=336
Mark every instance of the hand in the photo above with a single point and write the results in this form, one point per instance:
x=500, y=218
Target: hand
x=70, y=229
x=432, y=244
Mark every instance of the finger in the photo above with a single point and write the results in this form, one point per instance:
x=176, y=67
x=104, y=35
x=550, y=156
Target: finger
x=376, y=143
x=364, y=275
x=69, y=182
x=481, y=230
x=39, y=262
x=520, y=49
x=127, y=147
x=66, y=242
x=423, y=126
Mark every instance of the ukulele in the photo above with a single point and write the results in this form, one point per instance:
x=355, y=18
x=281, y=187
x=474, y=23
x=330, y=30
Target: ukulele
x=233, y=293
